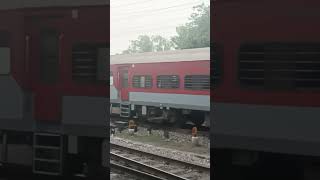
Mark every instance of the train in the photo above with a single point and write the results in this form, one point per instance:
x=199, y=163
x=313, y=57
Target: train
x=162, y=87
x=265, y=105
x=54, y=86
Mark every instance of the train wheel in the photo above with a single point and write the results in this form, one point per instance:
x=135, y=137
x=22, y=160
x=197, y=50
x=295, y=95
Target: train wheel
x=179, y=120
x=172, y=116
x=197, y=118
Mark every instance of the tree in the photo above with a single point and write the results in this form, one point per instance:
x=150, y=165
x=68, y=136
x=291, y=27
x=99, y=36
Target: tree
x=144, y=43
x=196, y=33
x=161, y=44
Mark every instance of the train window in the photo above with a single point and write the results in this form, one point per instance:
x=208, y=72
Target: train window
x=125, y=79
x=251, y=65
x=89, y=62
x=102, y=64
x=168, y=81
x=139, y=81
x=197, y=82
x=4, y=53
x=216, y=64
x=280, y=65
x=142, y=81
x=49, y=55
x=111, y=78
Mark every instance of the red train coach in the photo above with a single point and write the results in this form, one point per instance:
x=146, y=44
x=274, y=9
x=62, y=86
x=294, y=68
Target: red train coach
x=169, y=86
x=266, y=85
x=53, y=74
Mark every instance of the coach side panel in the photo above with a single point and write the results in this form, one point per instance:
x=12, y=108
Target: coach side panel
x=179, y=97
x=273, y=120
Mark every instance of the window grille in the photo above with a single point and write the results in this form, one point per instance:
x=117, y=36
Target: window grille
x=215, y=65
x=280, y=65
x=168, y=81
x=87, y=65
x=197, y=82
x=142, y=81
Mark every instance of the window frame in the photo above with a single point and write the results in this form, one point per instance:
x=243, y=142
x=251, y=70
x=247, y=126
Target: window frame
x=178, y=82
x=198, y=89
x=146, y=81
x=49, y=51
x=125, y=79
x=216, y=62
x=93, y=49
x=271, y=49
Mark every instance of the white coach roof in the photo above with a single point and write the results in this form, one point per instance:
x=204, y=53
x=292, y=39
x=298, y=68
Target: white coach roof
x=15, y=4
x=164, y=56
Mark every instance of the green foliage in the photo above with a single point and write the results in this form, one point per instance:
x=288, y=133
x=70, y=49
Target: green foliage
x=161, y=44
x=144, y=43
x=194, y=34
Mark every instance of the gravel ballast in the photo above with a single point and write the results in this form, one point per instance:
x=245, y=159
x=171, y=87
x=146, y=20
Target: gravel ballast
x=174, y=136
x=194, y=158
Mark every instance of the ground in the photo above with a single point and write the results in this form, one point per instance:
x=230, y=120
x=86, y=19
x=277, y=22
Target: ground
x=157, y=140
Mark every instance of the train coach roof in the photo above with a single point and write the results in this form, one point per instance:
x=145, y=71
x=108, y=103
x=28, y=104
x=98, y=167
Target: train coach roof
x=165, y=56
x=16, y=4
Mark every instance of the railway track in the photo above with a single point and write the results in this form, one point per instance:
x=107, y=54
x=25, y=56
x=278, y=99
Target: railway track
x=152, y=166
x=137, y=174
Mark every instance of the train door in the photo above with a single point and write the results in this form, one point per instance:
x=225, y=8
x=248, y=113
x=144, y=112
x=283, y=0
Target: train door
x=45, y=59
x=124, y=83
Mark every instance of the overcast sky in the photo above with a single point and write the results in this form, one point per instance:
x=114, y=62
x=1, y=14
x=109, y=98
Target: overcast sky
x=131, y=18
